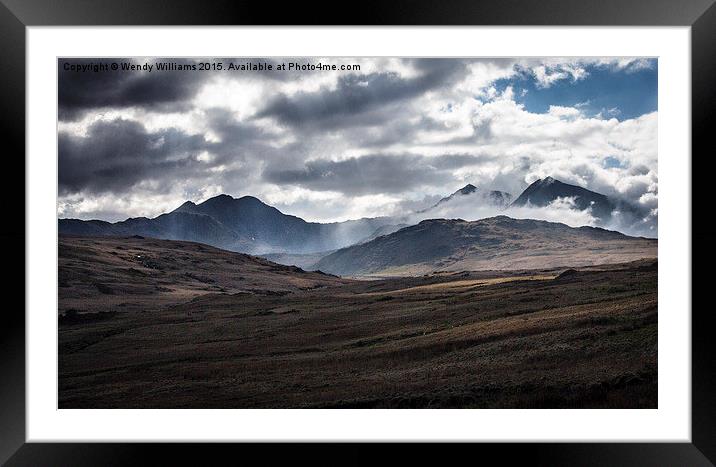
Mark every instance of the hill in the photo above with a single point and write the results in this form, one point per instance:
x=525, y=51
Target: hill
x=124, y=274
x=497, y=243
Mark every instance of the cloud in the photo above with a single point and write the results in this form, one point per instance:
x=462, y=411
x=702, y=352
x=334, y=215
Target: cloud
x=117, y=155
x=547, y=75
x=550, y=71
x=397, y=134
x=473, y=207
x=371, y=174
x=355, y=96
x=564, y=112
x=80, y=92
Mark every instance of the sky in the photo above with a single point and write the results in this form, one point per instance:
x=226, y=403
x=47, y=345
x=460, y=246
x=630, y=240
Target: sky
x=389, y=138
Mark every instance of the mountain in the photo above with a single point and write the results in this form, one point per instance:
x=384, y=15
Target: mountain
x=243, y=224
x=471, y=194
x=495, y=243
x=175, y=225
x=544, y=191
x=249, y=225
x=267, y=226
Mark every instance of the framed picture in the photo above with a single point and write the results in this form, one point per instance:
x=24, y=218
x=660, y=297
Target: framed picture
x=417, y=223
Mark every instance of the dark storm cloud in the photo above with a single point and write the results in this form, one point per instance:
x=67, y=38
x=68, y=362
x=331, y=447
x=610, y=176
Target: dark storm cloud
x=116, y=155
x=357, y=95
x=232, y=132
x=371, y=174
x=79, y=92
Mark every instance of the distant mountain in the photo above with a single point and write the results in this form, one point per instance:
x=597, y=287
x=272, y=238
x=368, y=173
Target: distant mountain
x=544, y=191
x=466, y=190
x=470, y=193
x=175, y=225
x=493, y=243
x=243, y=224
x=249, y=225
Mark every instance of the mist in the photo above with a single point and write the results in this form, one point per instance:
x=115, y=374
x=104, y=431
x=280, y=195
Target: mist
x=625, y=219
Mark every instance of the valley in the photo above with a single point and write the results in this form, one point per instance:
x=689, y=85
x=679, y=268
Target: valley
x=148, y=323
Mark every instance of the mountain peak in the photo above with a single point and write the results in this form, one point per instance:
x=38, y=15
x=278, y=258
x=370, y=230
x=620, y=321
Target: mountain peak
x=250, y=198
x=221, y=197
x=542, y=192
x=481, y=197
x=544, y=182
x=187, y=206
x=467, y=189
x=221, y=201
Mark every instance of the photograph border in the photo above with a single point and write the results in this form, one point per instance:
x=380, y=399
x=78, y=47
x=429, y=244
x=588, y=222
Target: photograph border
x=16, y=15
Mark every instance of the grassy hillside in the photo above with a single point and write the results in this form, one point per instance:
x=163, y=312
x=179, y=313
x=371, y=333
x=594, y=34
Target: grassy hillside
x=176, y=324
x=487, y=244
x=107, y=274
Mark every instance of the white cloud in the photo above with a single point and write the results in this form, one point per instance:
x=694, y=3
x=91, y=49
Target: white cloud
x=468, y=208
x=547, y=75
x=564, y=112
x=466, y=114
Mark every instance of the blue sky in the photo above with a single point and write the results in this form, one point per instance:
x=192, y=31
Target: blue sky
x=620, y=93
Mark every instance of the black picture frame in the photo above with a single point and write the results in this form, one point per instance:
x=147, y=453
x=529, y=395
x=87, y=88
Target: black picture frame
x=16, y=15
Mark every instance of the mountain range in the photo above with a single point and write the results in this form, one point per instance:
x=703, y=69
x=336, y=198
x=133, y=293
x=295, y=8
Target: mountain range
x=243, y=224
x=248, y=225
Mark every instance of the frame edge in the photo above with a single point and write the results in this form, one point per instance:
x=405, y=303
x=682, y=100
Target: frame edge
x=12, y=331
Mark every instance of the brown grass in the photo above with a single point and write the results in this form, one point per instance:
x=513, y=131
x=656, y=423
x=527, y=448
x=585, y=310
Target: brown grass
x=585, y=339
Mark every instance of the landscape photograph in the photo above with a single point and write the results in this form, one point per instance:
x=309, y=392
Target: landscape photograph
x=357, y=232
